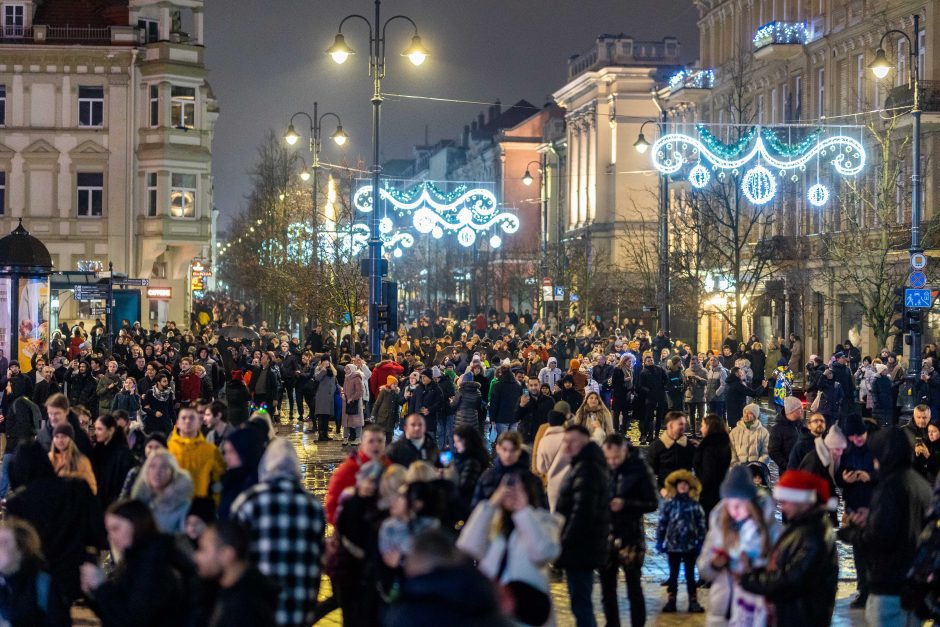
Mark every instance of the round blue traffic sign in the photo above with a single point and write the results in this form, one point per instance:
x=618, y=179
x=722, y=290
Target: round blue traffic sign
x=918, y=279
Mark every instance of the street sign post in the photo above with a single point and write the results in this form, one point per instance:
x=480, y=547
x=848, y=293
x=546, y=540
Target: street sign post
x=132, y=282
x=917, y=279
x=918, y=261
x=89, y=292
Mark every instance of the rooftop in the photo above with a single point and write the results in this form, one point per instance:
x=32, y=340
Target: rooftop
x=624, y=51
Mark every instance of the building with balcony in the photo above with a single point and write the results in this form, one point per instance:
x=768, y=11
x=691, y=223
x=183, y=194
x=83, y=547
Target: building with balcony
x=106, y=125
x=805, y=62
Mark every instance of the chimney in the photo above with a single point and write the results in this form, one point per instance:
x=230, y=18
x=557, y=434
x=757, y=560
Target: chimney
x=466, y=135
x=481, y=121
x=473, y=127
x=496, y=110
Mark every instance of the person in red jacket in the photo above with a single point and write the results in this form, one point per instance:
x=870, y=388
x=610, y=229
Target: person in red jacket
x=188, y=383
x=371, y=448
x=380, y=374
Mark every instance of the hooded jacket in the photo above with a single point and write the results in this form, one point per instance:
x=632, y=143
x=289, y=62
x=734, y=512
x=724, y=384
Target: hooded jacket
x=249, y=444
x=899, y=507
x=711, y=460
x=634, y=483
x=385, y=409
x=458, y=597
x=750, y=443
x=681, y=527
x=504, y=398
x=550, y=375
x=201, y=459
x=666, y=455
x=169, y=507
x=467, y=404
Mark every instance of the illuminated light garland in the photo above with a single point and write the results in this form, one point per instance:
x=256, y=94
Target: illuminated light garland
x=818, y=195
x=692, y=79
x=759, y=185
x=781, y=33
x=699, y=176
x=465, y=212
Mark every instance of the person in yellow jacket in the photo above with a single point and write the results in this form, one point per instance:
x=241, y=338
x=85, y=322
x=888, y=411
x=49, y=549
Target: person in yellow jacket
x=201, y=459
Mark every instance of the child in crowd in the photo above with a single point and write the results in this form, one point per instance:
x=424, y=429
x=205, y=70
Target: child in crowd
x=680, y=534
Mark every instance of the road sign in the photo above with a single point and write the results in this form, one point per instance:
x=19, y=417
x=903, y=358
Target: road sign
x=918, y=279
x=918, y=261
x=133, y=282
x=89, y=292
x=918, y=298
x=547, y=281
x=559, y=292
x=98, y=311
x=548, y=294
x=574, y=297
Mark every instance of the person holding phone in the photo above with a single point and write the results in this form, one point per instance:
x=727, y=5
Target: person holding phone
x=856, y=478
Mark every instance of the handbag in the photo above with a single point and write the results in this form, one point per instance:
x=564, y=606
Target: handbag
x=352, y=407
x=748, y=609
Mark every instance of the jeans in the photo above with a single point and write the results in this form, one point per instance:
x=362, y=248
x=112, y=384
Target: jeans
x=620, y=406
x=609, y=575
x=445, y=431
x=323, y=425
x=580, y=585
x=505, y=426
x=861, y=570
x=293, y=396
x=885, y=611
x=717, y=407
x=653, y=415
x=696, y=416
x=5, y=475
x=687, y=560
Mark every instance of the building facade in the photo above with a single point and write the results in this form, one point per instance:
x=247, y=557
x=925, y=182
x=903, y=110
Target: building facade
x=806, y=62
x=106, y=124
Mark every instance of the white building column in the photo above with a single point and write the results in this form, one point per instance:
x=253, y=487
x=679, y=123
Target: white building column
x=574, y=169
x=198, y=18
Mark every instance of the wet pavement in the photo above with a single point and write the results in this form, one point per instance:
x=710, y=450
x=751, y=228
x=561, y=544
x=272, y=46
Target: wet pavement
x=319, y=459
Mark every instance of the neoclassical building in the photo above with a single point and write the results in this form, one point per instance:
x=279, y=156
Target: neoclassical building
x=106, y=125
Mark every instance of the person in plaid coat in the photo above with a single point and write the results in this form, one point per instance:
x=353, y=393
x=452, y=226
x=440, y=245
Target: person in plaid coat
x=286, y=525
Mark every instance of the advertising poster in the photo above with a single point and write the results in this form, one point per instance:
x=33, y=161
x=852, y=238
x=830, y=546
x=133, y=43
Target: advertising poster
x=6, y=314
x=33, y=330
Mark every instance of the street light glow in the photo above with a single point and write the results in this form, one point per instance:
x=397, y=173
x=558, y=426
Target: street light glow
x=880, y=66
x=340, y=136
x=527, y=178
x=641, y=144
x=291, y=137
x=304, y=176
x=339, y=50
x=416, y=52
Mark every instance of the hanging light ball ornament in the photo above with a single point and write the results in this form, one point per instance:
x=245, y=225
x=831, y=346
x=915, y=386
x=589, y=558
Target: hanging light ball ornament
x=818, y=195
x=759, y=186
x=424, y=221
x=437, y=232
x=397, y=253
x=466, y=236
x=385, y=225
x=699, y=176
x=496, y=241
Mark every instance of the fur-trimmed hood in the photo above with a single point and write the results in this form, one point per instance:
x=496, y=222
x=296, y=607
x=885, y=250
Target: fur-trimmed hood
x=695, y=486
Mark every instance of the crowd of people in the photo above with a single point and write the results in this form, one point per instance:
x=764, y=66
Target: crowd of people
x=485, y=458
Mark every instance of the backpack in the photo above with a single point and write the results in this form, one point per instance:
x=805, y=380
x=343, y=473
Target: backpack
x=34, y=413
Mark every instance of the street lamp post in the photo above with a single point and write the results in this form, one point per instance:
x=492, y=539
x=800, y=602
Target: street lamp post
x=292, y=137
x=642, y=145
x=416, y=53
x=880, y=67
x=543, y=205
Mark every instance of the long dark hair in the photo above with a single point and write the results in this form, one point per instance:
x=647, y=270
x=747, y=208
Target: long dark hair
x=140, y=517
x=118, y=439
x=473, y=444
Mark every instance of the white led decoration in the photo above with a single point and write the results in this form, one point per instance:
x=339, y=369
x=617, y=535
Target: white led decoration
x=464, y=212
x=699, y=176
x=818, y=195
x=759, y=185
x=758, y=155
x=496, y=241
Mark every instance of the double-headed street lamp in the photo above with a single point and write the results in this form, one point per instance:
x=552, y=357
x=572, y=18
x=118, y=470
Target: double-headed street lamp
x=292, y=137
x=642, y=145
x=340, y=52
x=527, y=179
x=880, y=68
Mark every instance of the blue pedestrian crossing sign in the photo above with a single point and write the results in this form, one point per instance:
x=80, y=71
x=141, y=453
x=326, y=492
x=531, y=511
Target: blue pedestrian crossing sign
x=918, y=279
x=918, y=298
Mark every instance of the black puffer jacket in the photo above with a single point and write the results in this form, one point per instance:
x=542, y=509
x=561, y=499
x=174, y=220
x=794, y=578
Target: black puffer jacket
x=711, y=461
x=584, y=501
x=632, y=481
x=802, y=574
x=666, y=455
x=504, y=398
x=899, y=507
x=532, y=415
x=783, y=437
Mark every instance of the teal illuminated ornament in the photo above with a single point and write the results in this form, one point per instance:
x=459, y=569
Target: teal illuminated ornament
x=758, y=185
x=818, y=195
x=699, y=176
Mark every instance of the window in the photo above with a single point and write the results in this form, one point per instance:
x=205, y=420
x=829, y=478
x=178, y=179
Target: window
x=773, y=105
x=151, y=30
x=183, y=196
x=3, y=105
x=3, y=192
x=899, y=75
x=859, y=81
x=786, y=108
x=184, y=107
x=921, y=53
x=90, y=194
x=151, y=194
x=821, y=92
x=797, y=98
x=14, y=20
x=760, y=109
x=90, y=106
x=154, y=106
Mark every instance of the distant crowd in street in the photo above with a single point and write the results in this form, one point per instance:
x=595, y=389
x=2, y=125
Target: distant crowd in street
x=144, y=476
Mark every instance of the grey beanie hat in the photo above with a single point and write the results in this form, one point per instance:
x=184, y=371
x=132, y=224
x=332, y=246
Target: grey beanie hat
x=738, y=484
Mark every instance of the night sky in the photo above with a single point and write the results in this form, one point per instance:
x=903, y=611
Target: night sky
x=267, y=60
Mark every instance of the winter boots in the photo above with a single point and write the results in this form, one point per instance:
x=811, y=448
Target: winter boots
x=670, y=607
x=694, y=607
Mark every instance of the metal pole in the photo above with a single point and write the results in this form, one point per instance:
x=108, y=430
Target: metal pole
x=914, y=364
x=315, y=151
x=663, y=243
x=375, y=244
x=543, y=190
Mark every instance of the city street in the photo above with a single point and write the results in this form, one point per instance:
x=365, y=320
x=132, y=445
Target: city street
x=320, y=459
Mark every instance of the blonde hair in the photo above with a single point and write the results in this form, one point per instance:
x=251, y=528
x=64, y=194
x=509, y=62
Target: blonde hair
x=420, y=471
x=602, y=414
x=729, y=532
x=71, y=455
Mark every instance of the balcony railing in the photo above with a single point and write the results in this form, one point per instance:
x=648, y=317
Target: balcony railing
x=903, y=96
x=692, y=79
x=781, y=33
x=93, y=35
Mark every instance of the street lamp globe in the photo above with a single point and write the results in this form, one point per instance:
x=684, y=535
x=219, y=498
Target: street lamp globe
x=291, y=137
x=880, y=66
x=340, y=136
x=527, y=178
x=416, y=52
x=641, y=144
x=339, y=50
x=304, y=176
